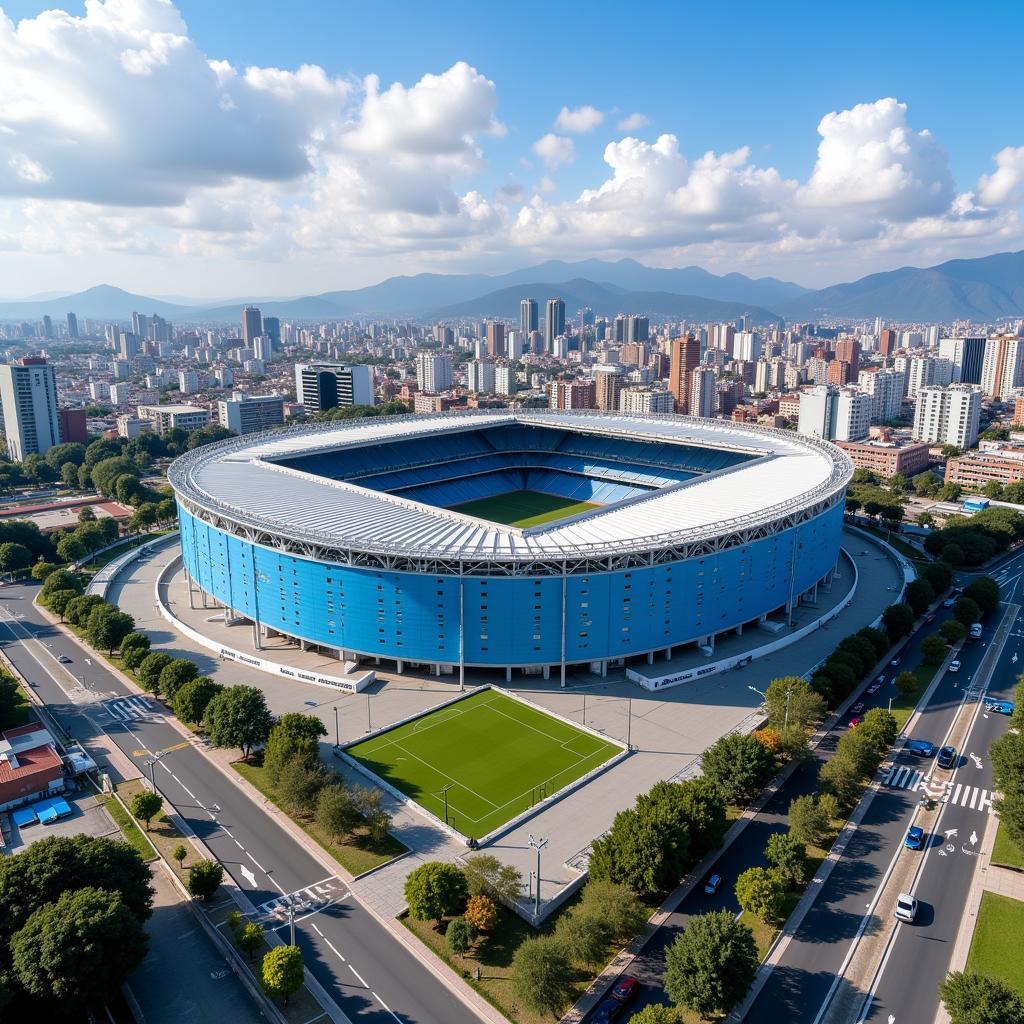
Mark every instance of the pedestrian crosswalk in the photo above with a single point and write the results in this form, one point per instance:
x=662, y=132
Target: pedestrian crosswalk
x=959, y=793
x=132, y=709
x=303, y=901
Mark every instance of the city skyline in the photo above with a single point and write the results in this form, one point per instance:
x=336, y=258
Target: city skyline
x=317, y=151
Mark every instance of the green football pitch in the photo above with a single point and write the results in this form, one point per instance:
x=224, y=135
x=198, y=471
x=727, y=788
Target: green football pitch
x=495, y=755
x=524, y=508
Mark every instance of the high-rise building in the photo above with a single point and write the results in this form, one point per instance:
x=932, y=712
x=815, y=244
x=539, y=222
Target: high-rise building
x=554, y=322
x=834, y=414
x=885, y=388
x=948, y=415
x=967, y=356
x=188, y=381
x=119, y=394
x=887, y=342
x=251, y=414
x=646, y=400
x=505, y=382
x=73, y=426
x=263, y=347
x=571, y=394
x=128, y=345
x=272, y=329
x=72, y=325
x=848, y=351
x=139, y=325
x=252, y=325
x=28, y=393
x=608, y=381
x=638, y=329
x=433, y=371
x=747, y=346
x=480, y=376
x=320, y=386
x=703, y=392
x=685, y=359
x=496, y=344
x=528, y=321
x=922, y=371
x=1002, y=370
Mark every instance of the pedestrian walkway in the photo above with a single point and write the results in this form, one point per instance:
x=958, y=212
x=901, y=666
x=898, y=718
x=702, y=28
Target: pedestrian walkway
x=132, y=709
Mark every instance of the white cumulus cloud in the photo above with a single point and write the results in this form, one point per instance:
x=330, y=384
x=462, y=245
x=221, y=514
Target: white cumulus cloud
x=1004, y=185
x=579, y=120
x=555, y=150
x=633, y=122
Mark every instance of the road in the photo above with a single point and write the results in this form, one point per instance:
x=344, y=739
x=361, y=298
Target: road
x=368, y=972
x=803, y=980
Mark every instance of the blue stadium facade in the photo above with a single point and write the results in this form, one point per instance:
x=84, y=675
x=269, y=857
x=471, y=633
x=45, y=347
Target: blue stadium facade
x=344, y=537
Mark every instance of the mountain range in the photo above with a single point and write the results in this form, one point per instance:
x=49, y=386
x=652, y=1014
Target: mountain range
x=981, y=290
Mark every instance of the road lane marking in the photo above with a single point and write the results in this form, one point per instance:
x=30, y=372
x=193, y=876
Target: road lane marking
x=247, y=875
x=359, y=976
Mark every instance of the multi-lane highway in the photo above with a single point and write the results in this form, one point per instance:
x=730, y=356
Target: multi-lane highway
x=372, y=976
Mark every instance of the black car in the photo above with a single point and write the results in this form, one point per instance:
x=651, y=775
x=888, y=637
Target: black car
x=947, y=757
x=607, y=1011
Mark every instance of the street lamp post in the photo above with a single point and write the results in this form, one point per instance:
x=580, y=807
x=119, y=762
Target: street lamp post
x=369, y=725
x=337, y=741
x=629, y=723
x=537, y=844
x=291, y=925
x=151, y=764
x=444, y=790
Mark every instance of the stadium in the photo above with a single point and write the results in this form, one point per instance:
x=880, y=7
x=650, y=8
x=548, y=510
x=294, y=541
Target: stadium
x=508, y=540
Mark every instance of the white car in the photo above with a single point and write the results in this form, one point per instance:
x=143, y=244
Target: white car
x=906, y=908
x=954, y=666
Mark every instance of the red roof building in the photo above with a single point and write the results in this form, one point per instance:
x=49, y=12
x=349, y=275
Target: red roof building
x=30, y=766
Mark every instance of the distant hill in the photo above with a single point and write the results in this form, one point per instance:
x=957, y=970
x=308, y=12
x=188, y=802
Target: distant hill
x=102, y=302
x=604, y=299
x=984, y=289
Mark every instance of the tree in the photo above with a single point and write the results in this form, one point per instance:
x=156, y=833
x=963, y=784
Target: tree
x=481, y=913
x=978, y=999
x=583, y=936
x=906, y=683
x=761, y=892
x=204, y=877
x=711, y=966
x=106, y=627
x=841, y=776
x=939, y=575
x=898, y=620
x=77, y=951
x=953, y=631
x=893, y=515
x=175, y=674
x=40, y=570
x=191, y=701
x=282, y=972
x=488, y=876
x=11, y=701
x=150, y=668
x=640, y=851
x=238, y=717
x=1007, y=757
x=984, y=591
x=299, y=785
x=249, y=938
x=808, y=821
x=738, y=765
x=655, y=1013
x=146, y=805
x=617, y=905
x=14, y=558
x=966, y=610
x=791, y=701
x=435, y=889
x=293, y=736
x=541, y=975
x=458, y=936
x=694, y=806
x=933, y=649
x=787, y=855
x=135, y=641
x=336, y=814
x=60, y=579
x=70, y=548
x=369, y=803
x=919, y=595
x=179, y=853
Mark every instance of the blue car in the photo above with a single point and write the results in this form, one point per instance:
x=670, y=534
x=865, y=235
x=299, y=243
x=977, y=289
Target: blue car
x=607, y=1011
x=922, y=748
x=915, y=838
x=999, y=707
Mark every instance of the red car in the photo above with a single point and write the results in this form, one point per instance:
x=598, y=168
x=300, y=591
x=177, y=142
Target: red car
x=625, y=988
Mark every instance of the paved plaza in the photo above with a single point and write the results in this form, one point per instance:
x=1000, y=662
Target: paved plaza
x=669, y=729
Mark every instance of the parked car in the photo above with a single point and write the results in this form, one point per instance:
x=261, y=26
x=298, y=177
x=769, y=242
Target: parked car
x=954, y=666
x=949, y=602
x=929, y=619
x=712, y=884
x=947, y=757
x=858, y=707
x=999, y=707
x=855, y=721
x=895, y=661
x=914, y=839
x=876, y=685
x=607, y=1011
x=625, y=988
x=64, y=659
x=906, y=908
x=921, y=748
x=975, y=631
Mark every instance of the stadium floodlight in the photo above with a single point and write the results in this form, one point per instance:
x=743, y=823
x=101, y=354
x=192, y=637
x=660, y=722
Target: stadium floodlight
x=537, y=844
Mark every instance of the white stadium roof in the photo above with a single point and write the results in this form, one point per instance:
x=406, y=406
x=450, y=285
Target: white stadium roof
x=237, y=480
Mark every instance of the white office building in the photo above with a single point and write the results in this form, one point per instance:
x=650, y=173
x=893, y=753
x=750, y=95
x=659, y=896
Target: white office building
x=924, y=371
x=252, y=414
x=433, y=371
x=320, y=386
x=480, y=376
x=28, y=392
x=746, y=346
x=949, y=415
x=835, y=414
x=885, y=387
x=505, y=382
x=704, y=392
x=643, y=400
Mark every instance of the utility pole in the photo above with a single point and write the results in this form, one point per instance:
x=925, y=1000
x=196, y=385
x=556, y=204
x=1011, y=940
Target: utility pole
x=629, y=723
x=369, y=726
x=789, y=693
x=444, y=790
x=291, y=925
x=337, y=742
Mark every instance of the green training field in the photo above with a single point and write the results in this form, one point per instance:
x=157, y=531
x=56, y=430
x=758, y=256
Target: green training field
x=524, y=508
x=496, y=756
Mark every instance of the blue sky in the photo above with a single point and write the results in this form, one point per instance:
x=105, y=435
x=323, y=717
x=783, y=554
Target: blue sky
x=316, y=190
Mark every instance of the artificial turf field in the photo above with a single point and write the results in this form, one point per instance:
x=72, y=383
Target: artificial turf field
x=524, y=508
x=496, y=756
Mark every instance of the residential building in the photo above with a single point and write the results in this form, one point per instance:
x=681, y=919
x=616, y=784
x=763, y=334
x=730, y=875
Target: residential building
x=886, y=390
x=888, y=457
x=923, y=371
x=480, y=376
x=263, y=348
x=646, y=400
x=528, y=321
x=72, y=325
x=608, y=381
x=119, y=394
x=887, y=342
x=571, y=394
x=433, y=371
x=175, y=417
x=747, y=346
x=188, y=382
x=497, y=347
x=554, y=322
x=30, y=767
x=972, y=470
x=1002, y=370
x=505, y=381
x=99, y=391
x=73, y=425
x=321, y=386
x=835, y=414
x=251, y=414
x=685, y=358
x=703, y=392
x=949, y=415
x=848, y=351
x=967, y=356
x=132, y=426
x=28, y=393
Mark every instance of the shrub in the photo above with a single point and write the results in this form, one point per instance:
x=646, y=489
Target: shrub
x=434, y=890
x=204, y=877
x=459, y=936
x=481, y=913
x=761, y=892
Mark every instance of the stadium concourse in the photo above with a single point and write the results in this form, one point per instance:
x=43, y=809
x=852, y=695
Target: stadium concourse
x=524, y=541
x=669, y=729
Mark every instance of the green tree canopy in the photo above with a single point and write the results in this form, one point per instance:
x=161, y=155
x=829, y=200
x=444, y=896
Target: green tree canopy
x=146, y=806
x=541, y=975
x=488, y=876
x=738, y=765
x=204, y=877
x=805, y=707
x=788, y=855
x=175, y=674
x=434, y=890
x=761, y=892
x=238, y=717
x=150, y=668
x=191, y=701
x=282, y=972
x=977, y=999
x=808, y=821
x=898, y=620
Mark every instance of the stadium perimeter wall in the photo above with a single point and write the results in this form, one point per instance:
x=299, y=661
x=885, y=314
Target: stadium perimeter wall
x=517, y=621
